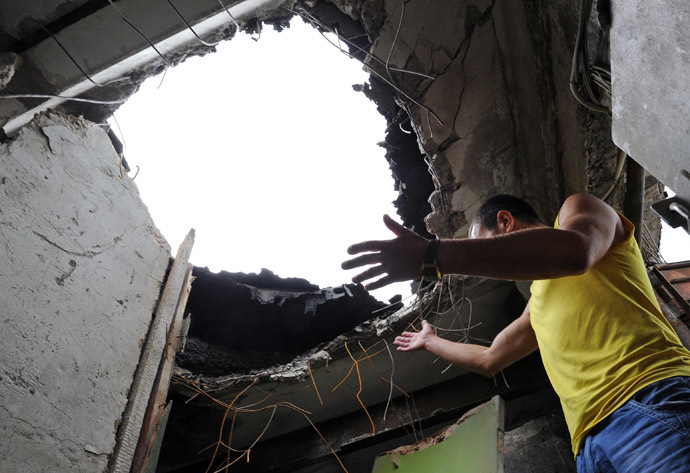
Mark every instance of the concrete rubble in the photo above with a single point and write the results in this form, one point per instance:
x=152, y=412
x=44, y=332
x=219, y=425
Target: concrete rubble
x=241, y=323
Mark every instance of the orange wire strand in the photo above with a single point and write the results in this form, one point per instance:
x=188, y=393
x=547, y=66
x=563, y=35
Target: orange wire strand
x=360, y=390
x=379, y=374
x=236, y=410
x=314, y=382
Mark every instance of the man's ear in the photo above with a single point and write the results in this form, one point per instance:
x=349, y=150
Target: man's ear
x=505, y=221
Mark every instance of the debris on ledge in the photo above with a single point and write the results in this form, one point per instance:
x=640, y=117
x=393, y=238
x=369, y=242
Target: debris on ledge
x=245, y=323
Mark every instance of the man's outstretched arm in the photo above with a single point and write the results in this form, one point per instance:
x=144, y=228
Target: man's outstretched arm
x=513, y=343
x=588, y=228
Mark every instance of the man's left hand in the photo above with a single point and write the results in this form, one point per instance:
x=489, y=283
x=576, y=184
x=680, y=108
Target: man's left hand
x=399, y=259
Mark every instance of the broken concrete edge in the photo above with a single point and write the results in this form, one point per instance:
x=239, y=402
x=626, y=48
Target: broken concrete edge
x=77, y=124
x=9, y=63
x=299, y=368
x=369, y=333
x=278, y=17
x=124, y=78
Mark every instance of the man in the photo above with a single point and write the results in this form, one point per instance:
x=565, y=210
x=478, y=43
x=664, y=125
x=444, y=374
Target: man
x=621, y=373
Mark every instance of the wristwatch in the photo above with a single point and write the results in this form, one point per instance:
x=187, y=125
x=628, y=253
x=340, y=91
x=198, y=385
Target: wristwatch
x=429, y=270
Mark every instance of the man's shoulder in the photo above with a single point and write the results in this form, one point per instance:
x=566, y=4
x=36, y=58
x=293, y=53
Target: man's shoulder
x=583, y=209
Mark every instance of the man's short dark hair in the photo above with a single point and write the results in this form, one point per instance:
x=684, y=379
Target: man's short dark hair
x=486, y=216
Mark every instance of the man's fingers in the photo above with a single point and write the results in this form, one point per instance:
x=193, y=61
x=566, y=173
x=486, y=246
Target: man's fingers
x=372, y=245
x=379, y=283
x=370, y=258
x=368, y=274
x=394, y=226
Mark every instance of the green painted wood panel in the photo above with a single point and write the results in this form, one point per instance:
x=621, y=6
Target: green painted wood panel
x=474, y=445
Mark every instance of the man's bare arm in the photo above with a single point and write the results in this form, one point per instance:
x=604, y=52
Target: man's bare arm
x=588, y=228
x=513, y=343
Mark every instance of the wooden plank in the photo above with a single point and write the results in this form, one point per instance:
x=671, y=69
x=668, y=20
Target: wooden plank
x=668, y=282
x=159, y=394
x=152, y=462
x=147, y=372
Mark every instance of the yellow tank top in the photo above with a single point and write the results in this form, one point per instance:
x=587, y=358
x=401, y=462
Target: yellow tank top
x=602, y=336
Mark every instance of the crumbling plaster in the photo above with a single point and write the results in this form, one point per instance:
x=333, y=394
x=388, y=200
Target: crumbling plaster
x=82, y=265
x=500, y=88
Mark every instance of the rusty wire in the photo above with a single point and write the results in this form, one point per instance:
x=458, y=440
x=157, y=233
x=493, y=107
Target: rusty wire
x=311, y=375
x=225, y=465
x=359, y=377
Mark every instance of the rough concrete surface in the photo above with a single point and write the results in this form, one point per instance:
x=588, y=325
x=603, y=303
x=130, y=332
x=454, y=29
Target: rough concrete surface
x=82, y=265
x=541, y=445
x=9, y=63
x=650, y=65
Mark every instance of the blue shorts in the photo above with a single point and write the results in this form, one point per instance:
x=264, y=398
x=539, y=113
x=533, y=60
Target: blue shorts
x=648, y=434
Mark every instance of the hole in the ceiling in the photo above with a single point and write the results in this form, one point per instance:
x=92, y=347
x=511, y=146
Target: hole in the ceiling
x=267, y=151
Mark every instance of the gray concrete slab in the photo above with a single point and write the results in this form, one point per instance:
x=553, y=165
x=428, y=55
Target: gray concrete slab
x=82, y=265
x=650, y=72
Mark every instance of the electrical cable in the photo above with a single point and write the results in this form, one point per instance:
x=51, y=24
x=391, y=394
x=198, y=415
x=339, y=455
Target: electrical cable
x=50, y=96
x=229, y=14
x=74, y=61
x=579, y=70
x=403, y=93
x=140, y=33
x=317, y=23
x=210, y=45
x=622, y=156
x=395, y=40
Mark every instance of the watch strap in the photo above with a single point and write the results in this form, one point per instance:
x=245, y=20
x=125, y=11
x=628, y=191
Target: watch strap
x=430, y=270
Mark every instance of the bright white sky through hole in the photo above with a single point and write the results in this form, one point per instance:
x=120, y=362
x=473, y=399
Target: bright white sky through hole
x=264, y=148
x=675, y=242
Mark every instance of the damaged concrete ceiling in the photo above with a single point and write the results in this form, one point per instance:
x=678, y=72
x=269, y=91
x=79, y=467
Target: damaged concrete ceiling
x=482, y=85
x=244, y=352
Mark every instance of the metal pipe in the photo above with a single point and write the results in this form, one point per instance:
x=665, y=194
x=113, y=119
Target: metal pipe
x=634, y=195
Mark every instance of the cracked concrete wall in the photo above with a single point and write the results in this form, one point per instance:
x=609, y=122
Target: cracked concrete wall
x=497, y=114
x=82, y=266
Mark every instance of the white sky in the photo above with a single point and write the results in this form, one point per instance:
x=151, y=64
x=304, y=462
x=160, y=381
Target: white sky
x=675, y=242
x=265, y=149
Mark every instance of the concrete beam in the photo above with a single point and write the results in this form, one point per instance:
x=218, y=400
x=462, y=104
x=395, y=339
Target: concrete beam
x=109, y=50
